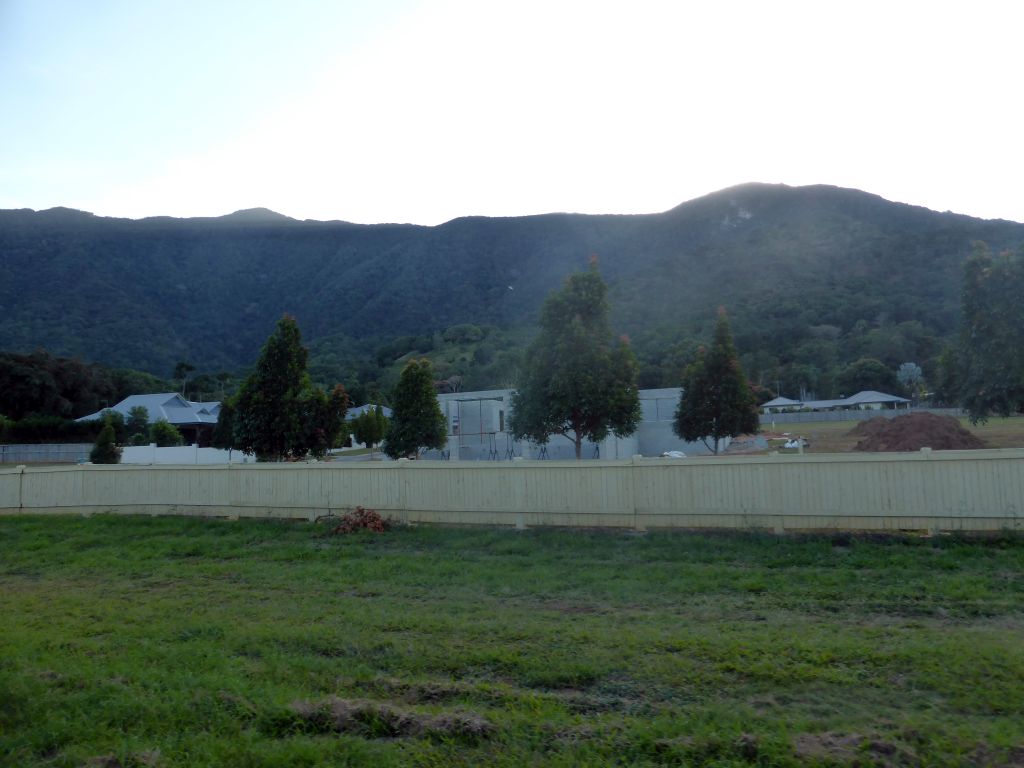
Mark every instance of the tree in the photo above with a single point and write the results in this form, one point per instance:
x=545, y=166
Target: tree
x=866, y=374
x=137, y=425
x=277, y=413
x=322, y=418
x=105, y=451
x=716, y=401
x=181, y=372
x=416, y=418
x=578, y=382
x=224, y=431
x=165, y=434
x=370, y=426
x=910, y=377
x=991, y=349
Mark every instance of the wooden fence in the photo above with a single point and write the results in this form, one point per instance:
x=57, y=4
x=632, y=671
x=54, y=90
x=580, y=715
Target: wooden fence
x=947, y=490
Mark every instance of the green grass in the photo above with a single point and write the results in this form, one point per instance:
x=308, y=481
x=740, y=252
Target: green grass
x=182, y=642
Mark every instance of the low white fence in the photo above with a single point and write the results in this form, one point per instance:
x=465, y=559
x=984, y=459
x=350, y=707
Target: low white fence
x=182, y=454
x=947, y=490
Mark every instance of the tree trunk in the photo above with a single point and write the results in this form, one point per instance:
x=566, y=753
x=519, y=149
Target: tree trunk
x=578, y=442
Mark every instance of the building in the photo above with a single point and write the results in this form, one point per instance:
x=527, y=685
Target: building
x=868, y=400
x=478, y=430
x=195, y=421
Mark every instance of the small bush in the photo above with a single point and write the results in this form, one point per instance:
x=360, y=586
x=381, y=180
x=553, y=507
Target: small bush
x=165, y=434
x=105, y=451
x=362, y=519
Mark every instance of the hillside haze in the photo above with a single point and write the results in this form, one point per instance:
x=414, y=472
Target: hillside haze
x=794, y=266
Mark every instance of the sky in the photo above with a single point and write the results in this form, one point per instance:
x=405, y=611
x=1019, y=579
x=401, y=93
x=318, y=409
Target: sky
x=425, y=110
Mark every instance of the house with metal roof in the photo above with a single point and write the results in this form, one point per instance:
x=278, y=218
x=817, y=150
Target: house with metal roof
x=781, y=405
x=868, y=400
x=194, y=420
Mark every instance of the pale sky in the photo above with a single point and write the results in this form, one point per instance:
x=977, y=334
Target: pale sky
x=425, y=110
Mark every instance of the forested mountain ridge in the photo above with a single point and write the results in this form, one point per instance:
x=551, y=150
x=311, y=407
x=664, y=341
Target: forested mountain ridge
x=813, y=277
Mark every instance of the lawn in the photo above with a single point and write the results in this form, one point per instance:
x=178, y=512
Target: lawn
x=835, y=437
x=189, y=642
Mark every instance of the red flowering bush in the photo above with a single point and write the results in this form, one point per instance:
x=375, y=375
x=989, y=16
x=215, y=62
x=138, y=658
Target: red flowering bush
x=362, y=519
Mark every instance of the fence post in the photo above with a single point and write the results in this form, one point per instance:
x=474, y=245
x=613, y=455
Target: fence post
x=633, y=464
x=403, y=485
x=21, y=480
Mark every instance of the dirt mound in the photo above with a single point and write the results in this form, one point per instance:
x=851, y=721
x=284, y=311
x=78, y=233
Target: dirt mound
x=374, y=720
x=914, y=432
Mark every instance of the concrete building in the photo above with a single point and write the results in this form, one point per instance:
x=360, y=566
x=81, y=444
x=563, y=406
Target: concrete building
x=478, y=424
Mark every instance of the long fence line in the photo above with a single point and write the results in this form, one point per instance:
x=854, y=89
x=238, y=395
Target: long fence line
x=932, y=491
x=810, y=417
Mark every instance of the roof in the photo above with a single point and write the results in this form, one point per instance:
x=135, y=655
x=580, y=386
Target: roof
x=361, y=409
x=168, y=406
x=871, y=396
x=861, y=398
x=781, y=402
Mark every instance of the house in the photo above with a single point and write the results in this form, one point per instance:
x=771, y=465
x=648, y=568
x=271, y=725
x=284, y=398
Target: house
x=195, y=421
x=868, y=400
x=781, y=405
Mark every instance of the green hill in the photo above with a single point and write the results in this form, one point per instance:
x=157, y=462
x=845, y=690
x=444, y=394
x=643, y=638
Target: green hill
x=813, y=277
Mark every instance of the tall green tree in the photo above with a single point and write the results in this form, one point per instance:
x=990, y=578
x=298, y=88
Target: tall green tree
x=137, y=425
x=579, y=382
x=181, y=371
x=278, y=414
x=223, y=436
x=416, y=418
x=991, y=348
x=716, y=400
x=370, y=426
x=867, y=374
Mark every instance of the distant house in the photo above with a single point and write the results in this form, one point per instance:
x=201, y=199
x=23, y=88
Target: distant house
x=781, y=405
x=195, y=421
x=869, y=400
x=359, y=410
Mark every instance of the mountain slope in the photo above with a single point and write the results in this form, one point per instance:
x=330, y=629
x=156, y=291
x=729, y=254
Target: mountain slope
x=793, y=265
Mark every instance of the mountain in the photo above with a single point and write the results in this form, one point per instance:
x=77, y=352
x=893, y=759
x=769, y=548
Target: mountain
x=812, y=276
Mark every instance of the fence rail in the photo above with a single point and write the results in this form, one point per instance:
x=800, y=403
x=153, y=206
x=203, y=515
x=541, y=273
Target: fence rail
x=946, y=490
x=801, y=417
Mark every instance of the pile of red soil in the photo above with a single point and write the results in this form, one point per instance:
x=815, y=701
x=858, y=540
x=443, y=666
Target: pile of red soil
x=914, y=432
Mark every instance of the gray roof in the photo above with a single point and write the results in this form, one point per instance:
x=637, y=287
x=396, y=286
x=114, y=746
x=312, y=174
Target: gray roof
x=781, y=402
x=871, y=396
x=861, y=398
x=359, y=410
x=169, y=406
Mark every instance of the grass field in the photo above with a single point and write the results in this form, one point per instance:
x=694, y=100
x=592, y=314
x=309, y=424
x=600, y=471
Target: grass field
x=834, y=437
x=185, y=642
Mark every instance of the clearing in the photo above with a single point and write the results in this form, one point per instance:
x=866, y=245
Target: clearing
x=190, y=642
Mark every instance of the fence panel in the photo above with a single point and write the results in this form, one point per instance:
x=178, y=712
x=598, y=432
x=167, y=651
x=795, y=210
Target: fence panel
x=944, y=490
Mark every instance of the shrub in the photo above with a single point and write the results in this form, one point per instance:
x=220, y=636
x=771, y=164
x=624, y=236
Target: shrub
x=165, y=434
x=105, y=451
x=362, y=519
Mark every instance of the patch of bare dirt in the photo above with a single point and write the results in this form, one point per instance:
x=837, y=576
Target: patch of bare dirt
x=850, y=748
x=375, y=720
x=985, y=756
x=914, y=432
x=135, y=760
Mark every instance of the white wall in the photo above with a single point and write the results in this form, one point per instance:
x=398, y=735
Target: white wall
x=182, y=454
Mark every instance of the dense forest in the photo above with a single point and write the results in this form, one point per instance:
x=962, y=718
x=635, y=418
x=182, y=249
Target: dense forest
x=814, y=279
